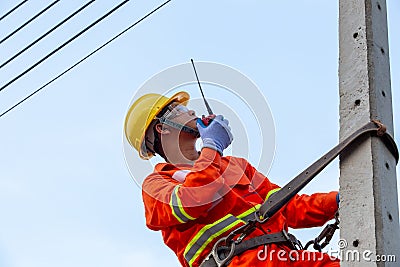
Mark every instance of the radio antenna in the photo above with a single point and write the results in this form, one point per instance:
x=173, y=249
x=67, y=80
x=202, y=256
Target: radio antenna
x=201, y=90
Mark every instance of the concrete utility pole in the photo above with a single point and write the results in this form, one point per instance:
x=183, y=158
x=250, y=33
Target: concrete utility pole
x=368, y=190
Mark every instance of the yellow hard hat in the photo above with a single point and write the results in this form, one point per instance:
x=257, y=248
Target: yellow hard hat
x=142, y=113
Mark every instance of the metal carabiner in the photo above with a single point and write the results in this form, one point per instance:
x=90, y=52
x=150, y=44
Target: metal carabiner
x=220, y=262
x=235, y=237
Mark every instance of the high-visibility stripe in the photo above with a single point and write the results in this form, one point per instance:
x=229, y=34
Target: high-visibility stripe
x=180, y=175
x=177, y=208
x=211, y=231
x=271, y=192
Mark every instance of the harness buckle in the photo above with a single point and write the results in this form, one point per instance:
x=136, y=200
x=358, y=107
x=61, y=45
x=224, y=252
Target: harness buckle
x=260, y=218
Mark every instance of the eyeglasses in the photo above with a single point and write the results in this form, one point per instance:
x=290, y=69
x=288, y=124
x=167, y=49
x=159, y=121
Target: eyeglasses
x=174, y=111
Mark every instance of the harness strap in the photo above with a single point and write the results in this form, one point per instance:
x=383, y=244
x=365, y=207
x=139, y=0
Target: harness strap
x=281, y=197
x=223, y=251
x=278, y=199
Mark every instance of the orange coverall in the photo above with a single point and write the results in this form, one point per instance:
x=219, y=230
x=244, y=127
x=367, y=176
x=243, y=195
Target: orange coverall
x=194, y=206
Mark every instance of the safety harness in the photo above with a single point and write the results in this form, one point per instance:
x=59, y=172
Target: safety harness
x=326, y=235
x=234, y=244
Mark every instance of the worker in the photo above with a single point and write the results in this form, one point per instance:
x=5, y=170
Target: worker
x=195, y=198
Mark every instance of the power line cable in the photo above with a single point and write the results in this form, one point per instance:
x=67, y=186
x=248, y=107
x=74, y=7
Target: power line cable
x=47, y=33
x=29, y=21
x=84, y=58
x=63, y=45
x=12, y=10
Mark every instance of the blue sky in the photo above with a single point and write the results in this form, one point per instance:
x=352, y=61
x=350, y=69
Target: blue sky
x=66, y=196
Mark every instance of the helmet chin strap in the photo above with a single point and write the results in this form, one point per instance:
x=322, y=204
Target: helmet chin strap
x=180, y=127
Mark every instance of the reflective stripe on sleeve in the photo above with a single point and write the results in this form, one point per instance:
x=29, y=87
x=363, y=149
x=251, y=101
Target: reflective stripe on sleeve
x=177, y=208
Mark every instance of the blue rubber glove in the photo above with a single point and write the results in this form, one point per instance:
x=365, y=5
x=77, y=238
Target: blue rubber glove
x=338, y=199
x=217, y=135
